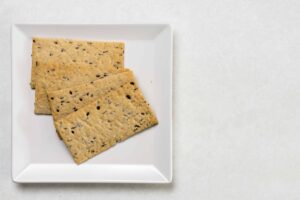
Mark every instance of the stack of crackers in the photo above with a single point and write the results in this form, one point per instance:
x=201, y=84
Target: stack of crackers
x=95, y=102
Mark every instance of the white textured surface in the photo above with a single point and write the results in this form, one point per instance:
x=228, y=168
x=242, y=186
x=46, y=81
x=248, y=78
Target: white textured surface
x=236, y=96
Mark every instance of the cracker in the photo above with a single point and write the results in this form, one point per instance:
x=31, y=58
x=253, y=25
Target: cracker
x=66, y=52
x=56, y=77
x=65, y=101
x=112, y=118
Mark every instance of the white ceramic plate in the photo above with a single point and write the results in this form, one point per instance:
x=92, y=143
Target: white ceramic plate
x=37, y=153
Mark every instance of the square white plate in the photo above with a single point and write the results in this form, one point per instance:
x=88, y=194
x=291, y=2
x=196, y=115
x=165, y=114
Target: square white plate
x=37, y=153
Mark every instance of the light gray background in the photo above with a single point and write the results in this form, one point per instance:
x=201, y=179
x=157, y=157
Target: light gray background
x=236, y=96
